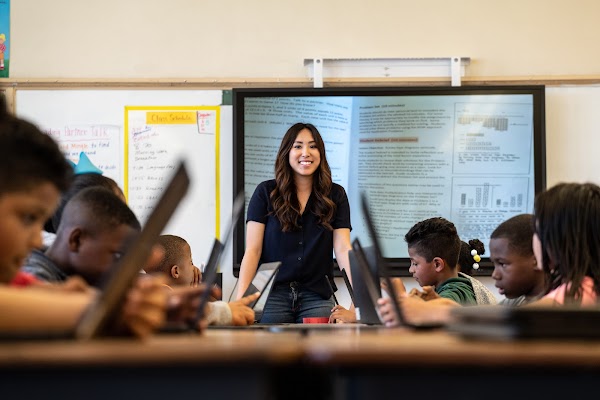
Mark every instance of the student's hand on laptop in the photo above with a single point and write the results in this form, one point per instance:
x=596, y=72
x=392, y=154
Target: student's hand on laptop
x=387, y=312
x=240, y=312
x=399, y=287
x=77, y=284
x=417, y=310
x=145, y=306
x=426, y=293
x=183, y=303
x=216, y=293
x=340, y=314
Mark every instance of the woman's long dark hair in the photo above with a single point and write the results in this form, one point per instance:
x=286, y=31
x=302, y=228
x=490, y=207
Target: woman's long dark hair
x=567, y=222
x=286, y=206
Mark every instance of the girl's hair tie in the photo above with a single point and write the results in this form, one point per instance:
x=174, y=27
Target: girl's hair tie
x=476, y=257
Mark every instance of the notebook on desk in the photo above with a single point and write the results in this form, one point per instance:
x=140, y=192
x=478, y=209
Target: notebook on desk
x=99, y=316
x=533, y=322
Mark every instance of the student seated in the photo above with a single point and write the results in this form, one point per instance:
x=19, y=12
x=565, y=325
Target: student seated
x=433, y=247
x=81, y=180
x=516, y=272
x=177, y=265
x=565, y=243
x=95, y=228
x=469, y=257
x=33, y=173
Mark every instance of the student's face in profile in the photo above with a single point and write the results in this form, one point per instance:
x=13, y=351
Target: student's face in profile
x=304, y=156
x=22, y=218
x=514, y=274
x=185, y=268
x=93, y=255
x=422, y=271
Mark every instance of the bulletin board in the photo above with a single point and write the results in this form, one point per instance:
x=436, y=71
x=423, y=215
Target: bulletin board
x=135, y=137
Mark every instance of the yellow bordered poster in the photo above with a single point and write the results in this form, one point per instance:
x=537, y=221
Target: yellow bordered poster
x=155, y=139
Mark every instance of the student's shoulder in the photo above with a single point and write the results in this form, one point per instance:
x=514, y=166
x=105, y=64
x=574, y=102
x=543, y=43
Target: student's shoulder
x=42, y=267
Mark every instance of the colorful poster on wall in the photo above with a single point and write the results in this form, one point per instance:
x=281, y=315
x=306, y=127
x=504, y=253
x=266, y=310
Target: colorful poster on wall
x=4, y=38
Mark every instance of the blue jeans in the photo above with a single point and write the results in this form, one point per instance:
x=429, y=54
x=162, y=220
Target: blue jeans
x=290, y=303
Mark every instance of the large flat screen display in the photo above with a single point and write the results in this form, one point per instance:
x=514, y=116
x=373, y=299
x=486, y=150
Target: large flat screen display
x=473, y=155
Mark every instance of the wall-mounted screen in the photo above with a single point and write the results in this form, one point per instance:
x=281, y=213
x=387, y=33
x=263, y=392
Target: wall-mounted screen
x=473, y=155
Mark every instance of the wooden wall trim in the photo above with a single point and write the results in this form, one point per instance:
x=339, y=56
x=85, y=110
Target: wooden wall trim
x=229, y=83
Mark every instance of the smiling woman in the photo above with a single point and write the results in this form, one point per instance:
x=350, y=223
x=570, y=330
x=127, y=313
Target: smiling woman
x=300, y=218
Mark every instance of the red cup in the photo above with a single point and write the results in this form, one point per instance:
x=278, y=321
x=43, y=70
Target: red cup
x=315, y=320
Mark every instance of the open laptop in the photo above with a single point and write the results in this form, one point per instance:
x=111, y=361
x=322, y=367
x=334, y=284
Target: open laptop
x=209, y=276
x=366, y=310
x=210, y=271
x=349, y=286
x=262, y=282
x=384, y=272
x=101, y=314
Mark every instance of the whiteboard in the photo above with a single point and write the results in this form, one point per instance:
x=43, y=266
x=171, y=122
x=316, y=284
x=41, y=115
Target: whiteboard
x=94, y=121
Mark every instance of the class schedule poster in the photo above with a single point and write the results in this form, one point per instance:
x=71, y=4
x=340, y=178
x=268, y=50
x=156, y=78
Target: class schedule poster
x=4, y=38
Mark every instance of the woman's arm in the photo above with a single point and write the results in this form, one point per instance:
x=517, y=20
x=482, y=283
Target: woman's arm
x=255, y=233
x=341, y=246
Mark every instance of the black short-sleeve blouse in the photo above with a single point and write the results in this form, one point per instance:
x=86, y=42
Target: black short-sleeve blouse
x=306, y=255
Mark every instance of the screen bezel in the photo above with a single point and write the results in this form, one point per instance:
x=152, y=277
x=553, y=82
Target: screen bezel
x=398, y=266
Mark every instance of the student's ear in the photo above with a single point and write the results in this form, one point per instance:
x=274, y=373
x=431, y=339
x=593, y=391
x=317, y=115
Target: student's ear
x=175, y=271
x=438, y=264
x=75, y=238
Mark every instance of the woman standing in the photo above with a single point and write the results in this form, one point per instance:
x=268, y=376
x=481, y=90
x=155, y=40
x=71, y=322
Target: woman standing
x=299, y=218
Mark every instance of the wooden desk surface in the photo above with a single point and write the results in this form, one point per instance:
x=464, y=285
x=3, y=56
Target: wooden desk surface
x=218, y=346
x=438, y=348
x=338, y=347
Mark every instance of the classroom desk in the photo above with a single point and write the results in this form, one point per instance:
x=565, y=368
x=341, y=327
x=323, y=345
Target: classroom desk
x=340, y=364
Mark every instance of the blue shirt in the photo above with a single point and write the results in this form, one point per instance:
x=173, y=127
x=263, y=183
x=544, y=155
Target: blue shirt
x=306, y=254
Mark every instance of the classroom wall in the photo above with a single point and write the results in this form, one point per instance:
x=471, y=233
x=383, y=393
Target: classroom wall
x=271, y=38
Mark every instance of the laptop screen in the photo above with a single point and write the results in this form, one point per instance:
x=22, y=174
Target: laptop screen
x=101, y=314
x=219, y=246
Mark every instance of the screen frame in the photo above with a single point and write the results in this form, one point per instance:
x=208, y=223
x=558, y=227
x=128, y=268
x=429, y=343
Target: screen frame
x=397, y=266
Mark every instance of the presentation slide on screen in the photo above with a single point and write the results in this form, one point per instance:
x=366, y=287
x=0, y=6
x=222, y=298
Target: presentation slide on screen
x=467, y=158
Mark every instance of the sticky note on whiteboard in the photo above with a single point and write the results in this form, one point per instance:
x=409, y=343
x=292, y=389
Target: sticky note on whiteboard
x=207, y=121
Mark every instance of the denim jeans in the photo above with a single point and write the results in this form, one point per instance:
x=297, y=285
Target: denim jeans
x=290, y=303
